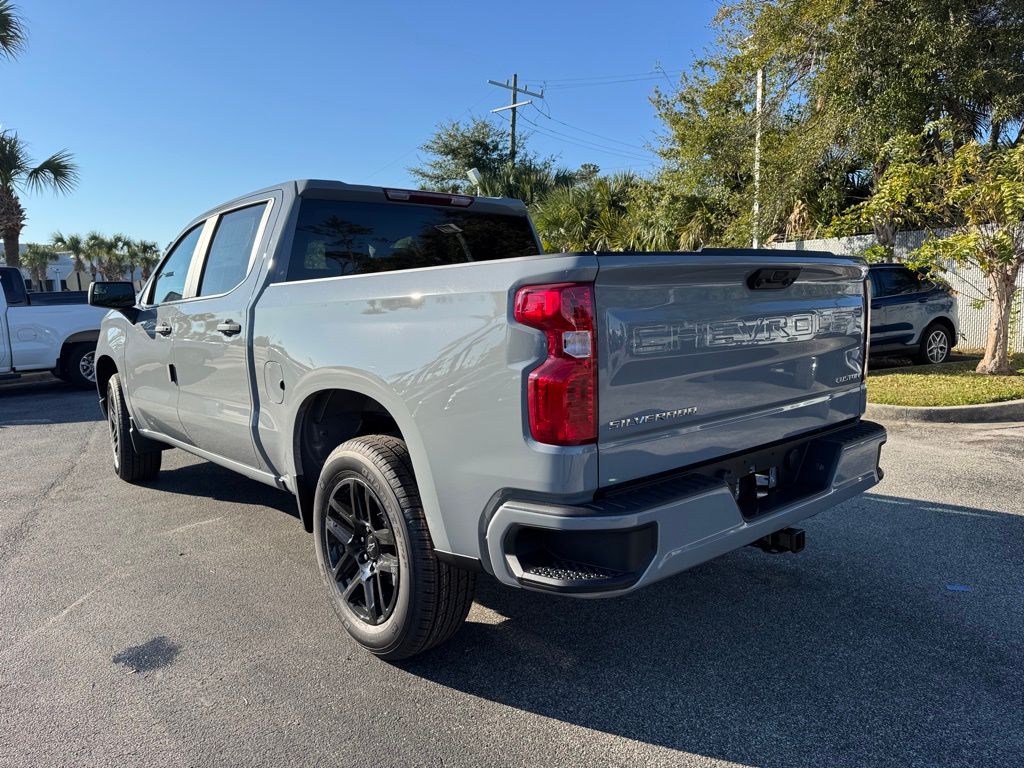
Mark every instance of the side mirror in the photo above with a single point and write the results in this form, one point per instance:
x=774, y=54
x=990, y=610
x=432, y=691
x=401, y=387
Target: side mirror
x=113, y=295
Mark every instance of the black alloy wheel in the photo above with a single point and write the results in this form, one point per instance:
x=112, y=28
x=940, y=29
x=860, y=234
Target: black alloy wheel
x=361, y=551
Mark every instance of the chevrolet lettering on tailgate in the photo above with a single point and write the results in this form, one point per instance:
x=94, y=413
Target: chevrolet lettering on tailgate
x=685, y=336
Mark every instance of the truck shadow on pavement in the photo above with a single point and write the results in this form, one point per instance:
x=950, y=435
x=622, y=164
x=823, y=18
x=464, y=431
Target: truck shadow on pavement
x=894, y=639
x=211, y=481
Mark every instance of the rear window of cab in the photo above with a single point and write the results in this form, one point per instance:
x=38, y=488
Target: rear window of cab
x=337, y=237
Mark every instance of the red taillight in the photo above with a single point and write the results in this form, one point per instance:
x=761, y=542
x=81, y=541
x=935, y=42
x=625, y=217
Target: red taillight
x=562, y=391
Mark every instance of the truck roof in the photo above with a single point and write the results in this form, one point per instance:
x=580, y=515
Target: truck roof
x=334, y=188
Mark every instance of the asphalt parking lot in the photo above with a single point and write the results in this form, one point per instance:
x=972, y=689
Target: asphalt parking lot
x=183, y=624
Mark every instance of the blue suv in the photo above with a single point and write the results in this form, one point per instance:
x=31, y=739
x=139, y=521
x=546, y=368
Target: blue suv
x=911, y=314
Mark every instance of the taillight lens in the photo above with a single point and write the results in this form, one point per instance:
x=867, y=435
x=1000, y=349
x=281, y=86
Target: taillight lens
x=562, y=391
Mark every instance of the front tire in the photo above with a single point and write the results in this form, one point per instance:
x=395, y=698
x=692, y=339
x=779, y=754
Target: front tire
x=131, y=465
x=393, y=595
x=936, y=345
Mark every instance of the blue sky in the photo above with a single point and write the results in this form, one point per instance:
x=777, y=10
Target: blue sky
x=172, y=108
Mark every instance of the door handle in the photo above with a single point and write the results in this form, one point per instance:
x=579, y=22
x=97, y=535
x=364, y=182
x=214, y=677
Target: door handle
x=163, y=329
x=229, y=327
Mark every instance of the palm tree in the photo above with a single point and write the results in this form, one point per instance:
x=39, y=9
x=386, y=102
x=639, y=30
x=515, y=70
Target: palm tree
x=149, y=256
x=97, y=247
x=19, y=173
x=587, y=217
x=12, y=30
x=73, y=244
x=125, y=254
x=37, y=258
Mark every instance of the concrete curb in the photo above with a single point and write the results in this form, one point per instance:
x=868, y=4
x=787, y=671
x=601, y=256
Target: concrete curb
x=1011, y=410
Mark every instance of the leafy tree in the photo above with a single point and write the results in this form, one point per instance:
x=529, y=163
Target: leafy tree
x=970, y=196
x=37, y=258
x=455, y=148
x=841, y=77
x=623, y=212
x=12, y=30
x=19, y=173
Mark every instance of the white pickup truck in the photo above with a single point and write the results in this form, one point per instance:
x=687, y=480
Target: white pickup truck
x=54, y=332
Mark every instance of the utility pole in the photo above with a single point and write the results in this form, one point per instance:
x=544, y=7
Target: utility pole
x=513, y=105
x=757, y=156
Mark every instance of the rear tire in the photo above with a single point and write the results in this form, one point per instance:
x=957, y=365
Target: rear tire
x=936, y=345
x=131, y=465
x=394, y=597
x=79, y=366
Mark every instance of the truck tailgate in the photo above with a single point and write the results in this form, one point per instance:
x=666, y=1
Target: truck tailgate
x=706, y=354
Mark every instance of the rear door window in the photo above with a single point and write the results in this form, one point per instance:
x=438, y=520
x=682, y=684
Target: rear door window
x=227, y=263
x=335, y=237
x=897, y=282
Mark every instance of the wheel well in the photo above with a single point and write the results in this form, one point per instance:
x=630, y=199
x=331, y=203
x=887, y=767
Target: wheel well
x=946, y=323
x=326, y=420
x=75, y=339
x=105, y=368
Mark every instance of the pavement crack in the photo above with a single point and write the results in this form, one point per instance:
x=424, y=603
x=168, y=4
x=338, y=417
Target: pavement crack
x=54, y=619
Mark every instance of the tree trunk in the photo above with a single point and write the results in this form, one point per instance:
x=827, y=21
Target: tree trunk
x=12, y=250
x=884, y=229
x=12, y=221
x=1003, y=283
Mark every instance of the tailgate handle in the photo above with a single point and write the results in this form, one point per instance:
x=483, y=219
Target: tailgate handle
x=772, y=278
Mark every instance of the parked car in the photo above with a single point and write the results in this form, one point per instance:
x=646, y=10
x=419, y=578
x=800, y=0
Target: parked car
x=46, y=332
x=911, y=314
x=443, y=398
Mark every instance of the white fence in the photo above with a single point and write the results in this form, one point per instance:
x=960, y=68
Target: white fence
x=968, y=283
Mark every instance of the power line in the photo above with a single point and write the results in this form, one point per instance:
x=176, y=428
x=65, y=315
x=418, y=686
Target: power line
x=564, y=139
x=394, y=161
x=586, y=144
x=569, y=86
x=653, y=72
x=592, y=145
x=591, y=133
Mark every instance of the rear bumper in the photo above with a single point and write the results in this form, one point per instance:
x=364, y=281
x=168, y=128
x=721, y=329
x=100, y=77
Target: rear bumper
x=639, y=535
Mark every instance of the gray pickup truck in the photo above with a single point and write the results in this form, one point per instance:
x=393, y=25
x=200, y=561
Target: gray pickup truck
x=443, y=398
